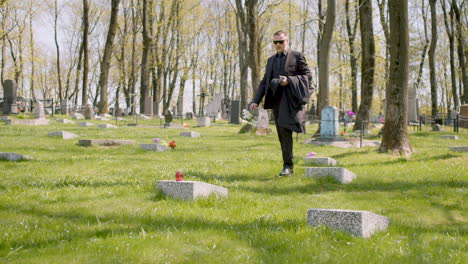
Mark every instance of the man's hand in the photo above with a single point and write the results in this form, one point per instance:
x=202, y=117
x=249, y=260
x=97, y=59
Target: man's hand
x=283, y=80
x=253, y=106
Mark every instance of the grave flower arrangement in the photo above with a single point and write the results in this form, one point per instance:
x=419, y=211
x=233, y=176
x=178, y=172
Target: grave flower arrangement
x=172, y=144
x=248, y=117
x=343, y=133
x=311, y=154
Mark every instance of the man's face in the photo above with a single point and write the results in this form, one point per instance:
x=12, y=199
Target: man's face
x=280, y=43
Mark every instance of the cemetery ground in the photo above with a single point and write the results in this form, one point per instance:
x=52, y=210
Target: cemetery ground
x=73, y=204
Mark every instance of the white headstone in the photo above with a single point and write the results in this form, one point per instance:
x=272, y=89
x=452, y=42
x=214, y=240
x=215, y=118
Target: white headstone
x=39, y=110
x=342, y=175
x=189, y=190
x=329, y=127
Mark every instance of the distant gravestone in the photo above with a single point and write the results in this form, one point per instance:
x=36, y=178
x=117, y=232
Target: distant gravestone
x=189, y=115
x=167, y=118
x=214, y=106
x=191, y=134
x=357, y=223
x=189, y=190
x=235, y=112
x=203, y=121
x=89, y=112
x=64, y=107
x=77, y=116
x=436, y=127
x=319, y=161
x=86, y=124
x=39, y=110
x=9, y=95
x=329, y=126
x=63, y=134
x=107, y=126
x=459, y=148
x=341, y=175
x=262, y=126
x=148, y=106
x=104, y=142
x=13, y=156
x=65, y=121
x=412, y=105
x=155, y=147
x=449, y=137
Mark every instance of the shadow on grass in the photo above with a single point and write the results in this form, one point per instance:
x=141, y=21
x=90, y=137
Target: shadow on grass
x=329, y=185
x=403, y=160
x=261, y=233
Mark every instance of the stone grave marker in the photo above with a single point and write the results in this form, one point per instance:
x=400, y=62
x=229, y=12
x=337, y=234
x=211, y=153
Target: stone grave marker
x=449, y=137
x=459, y=148
x=107, y=126
x=342, y=175
x=357, y=223
x=191, y=134
x=168, y=118
x=203, y=121
x=262, y=127
x=155, y=147
x=329, y=127
x=64, y=107
x=39, y=110
x=104, y=142
x=65, y=121
x=319, y=161
x=235, y=112
x=13, y=156
x=28, y=122
x=189, y=190
x=9, y=95
x=63, y=134
x=86, y=124
x=148, y=106
x=89, y=112
x=436, y=127
x=77, y=116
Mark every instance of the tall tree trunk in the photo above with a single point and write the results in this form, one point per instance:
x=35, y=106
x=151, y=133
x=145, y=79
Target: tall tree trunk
x=32, y=48
x=105, y=63
x=450, y=29
x=461, y=45
x=432, y=49
x=426, y=44
x=324, y=55
x=368, y=61
x=351, y=30
x=59, y=76
x=395, y=132
x=147, y=40
x=84, y=94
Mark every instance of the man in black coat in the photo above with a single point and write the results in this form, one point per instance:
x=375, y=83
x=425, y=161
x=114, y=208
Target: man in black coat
x=286, y=88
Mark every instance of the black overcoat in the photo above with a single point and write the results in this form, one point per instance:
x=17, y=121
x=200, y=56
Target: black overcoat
x=291, y=113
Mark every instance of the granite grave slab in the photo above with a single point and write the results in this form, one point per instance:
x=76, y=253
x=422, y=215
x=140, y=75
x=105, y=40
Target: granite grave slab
x=459, y=148
x=155, y=147
x=358, y=223
x=189, y=190
x=107, y=126
x=449, y=136
x=104, y=142
x=13, y=156
x=191, y=134
x=63, y=134
x=342, y=175
x=319, y=161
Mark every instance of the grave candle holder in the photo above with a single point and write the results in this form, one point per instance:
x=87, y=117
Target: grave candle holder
x=179, y=176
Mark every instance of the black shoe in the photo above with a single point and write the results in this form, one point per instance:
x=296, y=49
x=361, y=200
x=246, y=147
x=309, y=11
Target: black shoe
x=287, y=171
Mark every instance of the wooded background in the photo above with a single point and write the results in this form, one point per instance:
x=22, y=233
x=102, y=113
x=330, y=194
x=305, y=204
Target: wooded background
x=103, y=51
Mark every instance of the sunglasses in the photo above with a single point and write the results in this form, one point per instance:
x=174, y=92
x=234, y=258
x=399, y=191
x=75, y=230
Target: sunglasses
x=278, y=42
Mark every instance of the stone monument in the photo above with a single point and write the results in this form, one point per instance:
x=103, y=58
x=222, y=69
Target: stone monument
x=329, y=127
x=148, y=106
x=39, y=110
x=168, y=118
x=89, y=112
x=9, y=94
x=64, y=107
x=262, y=127
x=235, y=112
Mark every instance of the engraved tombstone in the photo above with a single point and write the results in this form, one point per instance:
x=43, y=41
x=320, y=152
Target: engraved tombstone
x=235, y=112
x=9, y=94
x=149, y=106
x=329, y=126
x=39, y=110
x=168, y=118
x=89, y=112
x=64, y=107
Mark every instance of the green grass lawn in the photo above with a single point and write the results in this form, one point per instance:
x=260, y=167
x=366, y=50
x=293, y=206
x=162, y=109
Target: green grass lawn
x=73, y=204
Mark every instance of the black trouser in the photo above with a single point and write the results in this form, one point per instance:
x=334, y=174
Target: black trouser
x=286, y=141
